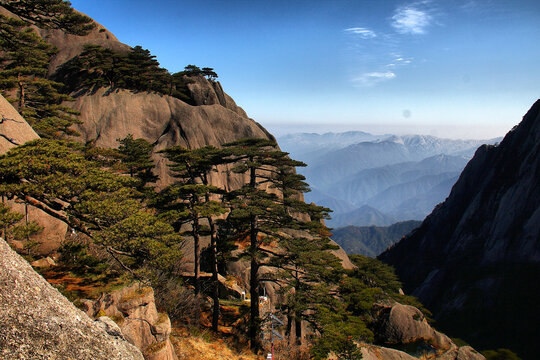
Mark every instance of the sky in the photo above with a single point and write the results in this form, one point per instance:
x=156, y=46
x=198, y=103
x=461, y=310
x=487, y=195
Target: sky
x=449, y=68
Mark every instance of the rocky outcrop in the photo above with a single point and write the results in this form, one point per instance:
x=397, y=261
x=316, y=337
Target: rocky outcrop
x=164, y=121
x=207, y=92
x=475, y=261
x=400, y=325
x=402, y=332
x=372, y=352
x=133, y=309
x=37, y=322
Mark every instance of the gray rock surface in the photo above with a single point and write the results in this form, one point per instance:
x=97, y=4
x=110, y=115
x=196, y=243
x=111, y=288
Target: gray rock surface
x=37, y=322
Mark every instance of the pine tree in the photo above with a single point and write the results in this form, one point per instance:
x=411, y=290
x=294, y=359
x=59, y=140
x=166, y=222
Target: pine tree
x=59, y=180
x=136, y=156
x=23, y=67
x=56, y=14
x=189, y=200
x=305, y=258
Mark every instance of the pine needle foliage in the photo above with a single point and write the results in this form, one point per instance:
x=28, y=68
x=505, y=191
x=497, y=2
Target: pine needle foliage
x=56, y=177
x=24, y=61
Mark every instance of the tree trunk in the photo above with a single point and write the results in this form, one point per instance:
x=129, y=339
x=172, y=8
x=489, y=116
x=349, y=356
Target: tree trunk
x=254, y=289
x=22, y=94
x=298, y=328
x=289, y=323
x=196, y=254
x=254, y=273
x=215, y=282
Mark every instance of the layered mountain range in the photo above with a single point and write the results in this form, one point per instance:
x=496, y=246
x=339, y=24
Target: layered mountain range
x=379, y=179
x=475, y=261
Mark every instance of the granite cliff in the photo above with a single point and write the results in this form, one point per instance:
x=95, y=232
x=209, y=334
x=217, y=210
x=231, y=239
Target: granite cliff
x=475, y=261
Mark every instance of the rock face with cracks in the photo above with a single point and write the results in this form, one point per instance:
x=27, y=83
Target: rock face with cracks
x=38, y=323
x=133, y=308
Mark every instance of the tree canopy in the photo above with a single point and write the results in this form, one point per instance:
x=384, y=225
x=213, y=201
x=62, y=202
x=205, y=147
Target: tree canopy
x=57, y=14
x=24, y=60
x=56, y=177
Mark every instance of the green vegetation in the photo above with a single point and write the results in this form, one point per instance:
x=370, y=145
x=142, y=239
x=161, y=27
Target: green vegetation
x=500, y=354
x=24, y=60
x=136, y=158
x=12, y=228
x=371, y=240
x=98, y=203
x=56, y=14
x=188, y=200
x=97, y=67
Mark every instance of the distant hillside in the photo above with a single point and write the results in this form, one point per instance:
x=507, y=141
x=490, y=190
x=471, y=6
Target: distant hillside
x=402, y=177
x=363, y=215
x=475, y=261
x=371, y=240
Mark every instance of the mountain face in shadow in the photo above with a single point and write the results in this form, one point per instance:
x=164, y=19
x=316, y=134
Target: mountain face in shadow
x=475, y=261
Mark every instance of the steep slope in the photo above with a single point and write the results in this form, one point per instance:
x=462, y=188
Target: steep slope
x=371, y=240
x=69, y=45
x=108, y=115
x=37, y=322
x=475, y=261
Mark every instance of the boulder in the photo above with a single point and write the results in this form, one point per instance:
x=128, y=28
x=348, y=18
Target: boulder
x=463, y=353
x=133, y=308
x=43, y=263
x=399, y=324
x=37, y=322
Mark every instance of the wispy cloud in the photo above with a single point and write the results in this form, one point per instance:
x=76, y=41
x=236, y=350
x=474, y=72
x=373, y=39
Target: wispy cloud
x=372, y=78
x=362, y=32
x=412, y=18
x=399, y=60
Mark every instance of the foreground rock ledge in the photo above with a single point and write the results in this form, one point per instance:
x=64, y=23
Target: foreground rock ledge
x=37, y=322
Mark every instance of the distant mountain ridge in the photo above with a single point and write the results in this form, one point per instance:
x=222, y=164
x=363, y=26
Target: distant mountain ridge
x=363, y=215
x=401, y=177
x=372, y=240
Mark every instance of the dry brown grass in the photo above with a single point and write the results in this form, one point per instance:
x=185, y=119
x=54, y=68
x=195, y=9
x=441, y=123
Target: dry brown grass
x=203, y=347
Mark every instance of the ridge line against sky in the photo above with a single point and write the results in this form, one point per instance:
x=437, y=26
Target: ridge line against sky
x=461, y=68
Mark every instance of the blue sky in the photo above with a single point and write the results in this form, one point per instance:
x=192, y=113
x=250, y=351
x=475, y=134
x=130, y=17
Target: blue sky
x=454, y=68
